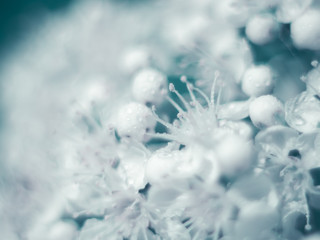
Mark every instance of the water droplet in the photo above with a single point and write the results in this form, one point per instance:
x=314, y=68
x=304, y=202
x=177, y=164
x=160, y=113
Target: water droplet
x=303, y=112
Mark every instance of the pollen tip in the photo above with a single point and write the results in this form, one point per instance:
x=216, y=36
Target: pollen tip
x=314, y=63
x=171, y=87
x=308, y=227
x=183, y=78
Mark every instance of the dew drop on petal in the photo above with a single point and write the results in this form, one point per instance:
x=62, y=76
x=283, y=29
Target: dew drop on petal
x=303, y=112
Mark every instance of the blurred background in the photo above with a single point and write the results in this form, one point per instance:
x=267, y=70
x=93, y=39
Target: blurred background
x=18, y=17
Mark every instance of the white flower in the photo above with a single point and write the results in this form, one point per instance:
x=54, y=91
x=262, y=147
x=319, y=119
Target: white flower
x=134, y=120
x=266, y=111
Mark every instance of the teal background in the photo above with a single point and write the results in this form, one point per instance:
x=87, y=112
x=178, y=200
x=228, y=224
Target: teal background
x=17, y=17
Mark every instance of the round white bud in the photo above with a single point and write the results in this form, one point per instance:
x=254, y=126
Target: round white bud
x=149, y=86
x=96, y=92
x=261, y=29
x=135, y=59
x=289, y=10
x=174, y=165
x=305, y=31
x=161, y=166
x=234, y=154
x=257, y=81
x=242, y=128
x=266, y=111
x=134, y=120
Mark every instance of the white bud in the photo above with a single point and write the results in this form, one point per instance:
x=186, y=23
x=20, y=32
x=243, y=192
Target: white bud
x=161, y=166
x=168, y=166
x=135, y=59
x=289, y=10
x=242, y=128
x=148, y=86
x=261, y=29
x=134, y=120
x=257, y=81
x=266, y=111
x=234, y=154
x=305, y=31
x=96, y=92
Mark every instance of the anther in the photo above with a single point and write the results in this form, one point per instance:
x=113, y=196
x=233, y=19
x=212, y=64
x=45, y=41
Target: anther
x=171, y=87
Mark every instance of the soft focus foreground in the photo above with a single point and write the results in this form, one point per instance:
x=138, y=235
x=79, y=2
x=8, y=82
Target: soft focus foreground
x=180, y=120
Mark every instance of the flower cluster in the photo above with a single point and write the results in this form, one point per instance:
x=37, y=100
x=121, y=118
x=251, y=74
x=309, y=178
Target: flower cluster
x=173, y=120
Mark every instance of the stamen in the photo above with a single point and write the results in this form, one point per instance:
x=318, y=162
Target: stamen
x=172, y=89
x=166, y=124
x=174, y=104
x=203, y=95
x=216, y=75
x=307, y=227
x=219, y=99
x=190, y=90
